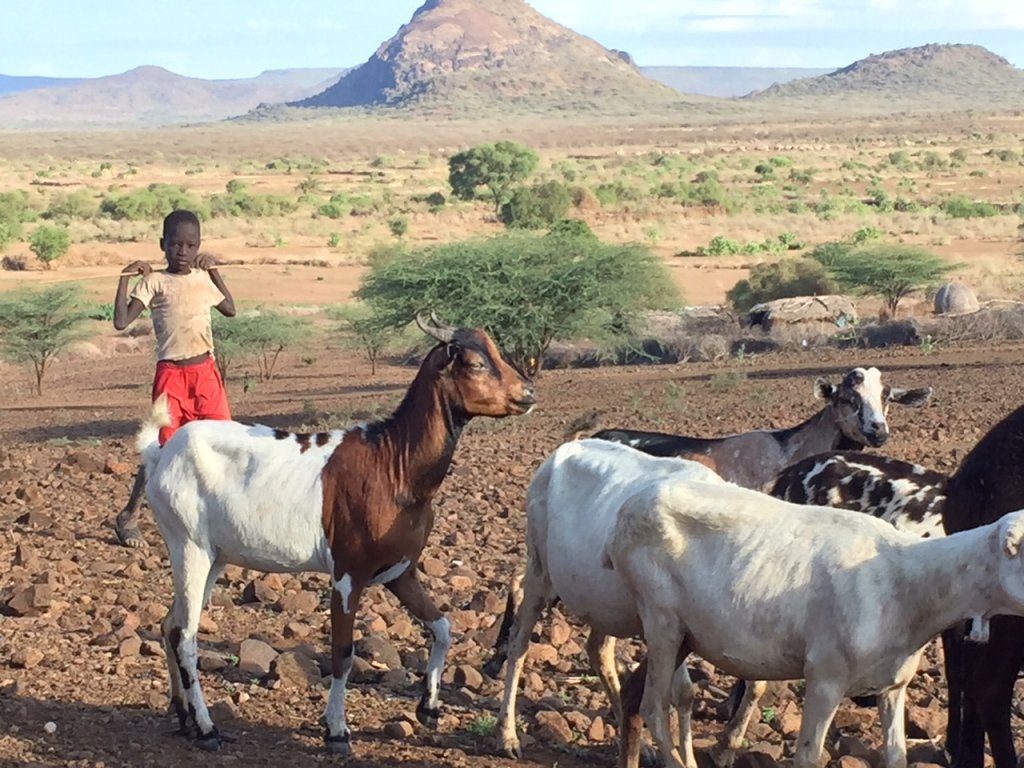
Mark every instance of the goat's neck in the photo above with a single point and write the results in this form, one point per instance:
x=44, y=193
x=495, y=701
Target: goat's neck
x=420, y=438
x=818, y=434
x=950, y=579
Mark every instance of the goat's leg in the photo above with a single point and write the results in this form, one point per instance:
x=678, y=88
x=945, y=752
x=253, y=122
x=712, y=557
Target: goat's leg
x=601, y=652
x=662, y=633
x=411, y=594
x=126, y=525
x=191, y=570
x=891, y=710
x=996, y=674
x=682, y=699
x=536, y=594
x=724, y=752
x=820, y=704
x=953, y=664
x=344, y=600
x=177, y=692
x=515, y=596
x=631, y=726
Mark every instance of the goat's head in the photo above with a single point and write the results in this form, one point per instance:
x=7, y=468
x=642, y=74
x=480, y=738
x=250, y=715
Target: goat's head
x=476, y=377
x=1010, y=554
x=860, y=403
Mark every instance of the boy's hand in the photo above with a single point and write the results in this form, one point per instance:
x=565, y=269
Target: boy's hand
x=137, y=268
x=206, y=261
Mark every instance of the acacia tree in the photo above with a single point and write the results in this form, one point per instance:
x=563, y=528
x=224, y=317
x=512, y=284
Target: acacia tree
x=262, y=335
x=496, y=166
x=887, y=270
x=37, y=325
x=355, y=327
x=525, y=289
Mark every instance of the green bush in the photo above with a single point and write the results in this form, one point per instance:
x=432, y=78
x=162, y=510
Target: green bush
x=781, y=280
x=152, y=203
x=79, y=204
x=537, y=207
x=498, y=167
x=964, y=208
x=49, y=243
x=237, y=200
x=524, y=288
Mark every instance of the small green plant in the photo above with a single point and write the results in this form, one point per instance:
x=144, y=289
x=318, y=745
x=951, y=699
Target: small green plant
x=398, y=226
x=768, y=715
x=483, y=725
x=49, y=243
x=927, y=344
x=334, y=240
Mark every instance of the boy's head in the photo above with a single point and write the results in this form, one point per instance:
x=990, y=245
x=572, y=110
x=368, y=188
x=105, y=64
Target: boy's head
x=181, y=240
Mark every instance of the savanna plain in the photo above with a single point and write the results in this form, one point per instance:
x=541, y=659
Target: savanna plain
x=297, y=211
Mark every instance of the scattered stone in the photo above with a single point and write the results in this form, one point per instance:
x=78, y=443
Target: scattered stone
x=296, y=630
x=596, y=731
x=552, y=727
x=925, y=722
x=398, y=729
x=256, y=657
x=433, y=567
x=468, y=677
x=849, y=761
x=301, y=603
x=296, y=670
x=152, y=648
x=259, y=592
x=31, y=601
x=27, y=658
x=129, y=647
x=460, y=583
x=755, y=759
x=560, y=633
x=224, y=712
x=379, y=651
x=114, y=467
x=83, y=461
x=542, y=653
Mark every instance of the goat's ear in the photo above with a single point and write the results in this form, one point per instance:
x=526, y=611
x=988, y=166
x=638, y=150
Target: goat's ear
x=911, y=397
x=1012, y=534
x=824, y=389
x=452, y=350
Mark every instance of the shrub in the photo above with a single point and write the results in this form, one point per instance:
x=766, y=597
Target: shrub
x=524, y=288
x=963, y=208
x=263, y=335
x=498, y=167
x=49, y=243
x=152, y=203
x=537, y=207
x=79, y=204
x=781, y=280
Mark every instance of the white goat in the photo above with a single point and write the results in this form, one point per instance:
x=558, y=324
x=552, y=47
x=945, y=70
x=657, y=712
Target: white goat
x=769, y=590
x=572, y=505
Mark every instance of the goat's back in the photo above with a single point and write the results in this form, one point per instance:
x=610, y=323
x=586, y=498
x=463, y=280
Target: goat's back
x=908, y=496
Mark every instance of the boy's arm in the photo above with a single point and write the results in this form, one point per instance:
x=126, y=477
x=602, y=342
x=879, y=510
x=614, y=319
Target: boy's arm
x=125, y=311
x=207, y=262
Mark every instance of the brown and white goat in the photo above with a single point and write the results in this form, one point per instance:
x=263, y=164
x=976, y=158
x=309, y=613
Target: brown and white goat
x=854, y=417
x=352, y=503
x=987, y=485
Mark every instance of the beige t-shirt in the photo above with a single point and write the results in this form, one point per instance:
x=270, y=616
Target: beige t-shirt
x=180, y=305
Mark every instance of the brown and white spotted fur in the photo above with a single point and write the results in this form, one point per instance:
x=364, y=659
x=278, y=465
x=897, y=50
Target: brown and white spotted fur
x=352, y=503
x=908, y=496
x=854, y=417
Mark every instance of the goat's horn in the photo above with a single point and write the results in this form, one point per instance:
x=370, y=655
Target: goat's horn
x=435, y=328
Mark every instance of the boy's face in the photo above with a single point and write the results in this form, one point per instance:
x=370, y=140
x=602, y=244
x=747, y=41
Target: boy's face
x=181, y=246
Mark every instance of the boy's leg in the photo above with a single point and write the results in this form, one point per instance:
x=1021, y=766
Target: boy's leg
x=211, y=397
x=126, y=525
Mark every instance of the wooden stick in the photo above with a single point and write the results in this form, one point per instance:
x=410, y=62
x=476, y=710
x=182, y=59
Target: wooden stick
x=110, y=276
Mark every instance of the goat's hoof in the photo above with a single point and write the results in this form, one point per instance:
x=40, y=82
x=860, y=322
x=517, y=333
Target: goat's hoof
x=721, y=757
x=649, y=757
x=339, y=745
x=130, y=536
x=510, y=748
x=209, y=742
x=428, y=717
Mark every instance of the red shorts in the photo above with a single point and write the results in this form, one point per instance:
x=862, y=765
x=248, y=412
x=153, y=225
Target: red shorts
x=194, y=392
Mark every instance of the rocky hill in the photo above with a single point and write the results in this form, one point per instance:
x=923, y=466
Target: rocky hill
x=479, y=53
x=940, y=76
x=152, y=95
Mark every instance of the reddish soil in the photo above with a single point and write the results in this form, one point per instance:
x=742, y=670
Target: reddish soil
x=89, y=663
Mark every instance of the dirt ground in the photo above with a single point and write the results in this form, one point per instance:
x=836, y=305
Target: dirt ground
x=82, y=652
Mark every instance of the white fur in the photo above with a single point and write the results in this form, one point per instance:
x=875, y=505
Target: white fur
x=344, y=588
x=766, y=589
x=571, y=508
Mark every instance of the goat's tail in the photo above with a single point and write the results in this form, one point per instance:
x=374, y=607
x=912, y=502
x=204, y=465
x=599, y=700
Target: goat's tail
x=147, y=440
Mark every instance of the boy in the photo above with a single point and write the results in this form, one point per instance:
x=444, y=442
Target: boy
x=179, y=298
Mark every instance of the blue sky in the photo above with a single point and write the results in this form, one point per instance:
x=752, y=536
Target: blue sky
x=232, y=38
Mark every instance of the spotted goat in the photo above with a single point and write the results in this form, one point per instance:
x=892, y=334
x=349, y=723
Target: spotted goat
x=355, y=504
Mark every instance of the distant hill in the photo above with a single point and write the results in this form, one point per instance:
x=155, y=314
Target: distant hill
x=502, y=53
x=727, y=82
x=152, y=95
x=938, y=77
x=15, y=83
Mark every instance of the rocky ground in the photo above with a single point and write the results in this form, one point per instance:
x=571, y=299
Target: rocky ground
x=82, y=674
